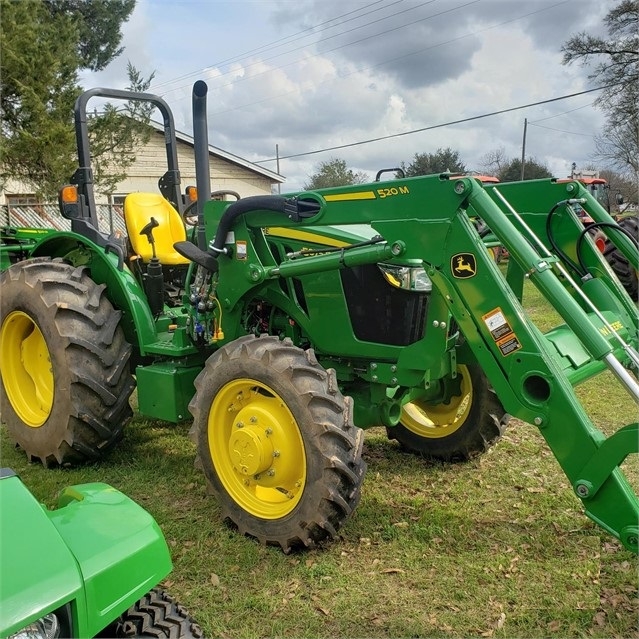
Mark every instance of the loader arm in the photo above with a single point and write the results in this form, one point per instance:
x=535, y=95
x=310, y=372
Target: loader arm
x=533, y=372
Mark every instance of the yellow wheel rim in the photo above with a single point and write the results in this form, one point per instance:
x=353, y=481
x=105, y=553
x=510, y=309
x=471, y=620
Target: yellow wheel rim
x=257, y=449
x=26, y=369
x=442, y=420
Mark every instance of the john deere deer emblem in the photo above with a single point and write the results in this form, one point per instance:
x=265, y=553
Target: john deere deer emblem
x=463, y=265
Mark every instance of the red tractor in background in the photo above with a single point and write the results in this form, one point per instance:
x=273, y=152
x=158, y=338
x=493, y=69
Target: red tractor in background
x=600, y=189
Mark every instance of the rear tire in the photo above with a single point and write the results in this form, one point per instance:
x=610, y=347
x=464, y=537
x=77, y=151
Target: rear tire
x=65, y=380
x=458, y=431
x=156, y=615
x=276, y=441
x=624, y=271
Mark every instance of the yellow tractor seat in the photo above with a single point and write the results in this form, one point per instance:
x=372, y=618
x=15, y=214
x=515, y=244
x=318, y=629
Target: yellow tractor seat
x=139, y=208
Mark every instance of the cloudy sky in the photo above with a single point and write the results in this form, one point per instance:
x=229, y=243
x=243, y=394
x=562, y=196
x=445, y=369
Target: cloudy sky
x=308, y=75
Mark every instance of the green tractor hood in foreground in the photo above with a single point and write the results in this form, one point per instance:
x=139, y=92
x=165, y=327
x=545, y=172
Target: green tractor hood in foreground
x=88, y=561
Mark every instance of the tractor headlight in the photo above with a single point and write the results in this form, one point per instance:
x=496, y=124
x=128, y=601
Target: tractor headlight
x=408, y=278
x=47, y=627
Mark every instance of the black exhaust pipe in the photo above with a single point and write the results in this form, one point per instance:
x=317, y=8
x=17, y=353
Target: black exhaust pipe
x=201, y=150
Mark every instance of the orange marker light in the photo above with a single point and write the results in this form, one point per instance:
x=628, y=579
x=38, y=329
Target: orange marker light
x=69, y=194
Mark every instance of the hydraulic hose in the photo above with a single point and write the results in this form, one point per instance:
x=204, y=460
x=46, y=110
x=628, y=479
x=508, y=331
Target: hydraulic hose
x=551, y=238
x=275, y=203
x=600, y=225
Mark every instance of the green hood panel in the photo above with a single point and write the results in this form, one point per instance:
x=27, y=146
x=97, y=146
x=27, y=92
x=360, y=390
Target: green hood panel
x=119, y=546
x=99, y=551
x=38, y=572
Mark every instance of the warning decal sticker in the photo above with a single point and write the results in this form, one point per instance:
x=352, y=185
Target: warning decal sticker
x=497, y=324
x=509, y=344
x=240, y=250
x=501, y=331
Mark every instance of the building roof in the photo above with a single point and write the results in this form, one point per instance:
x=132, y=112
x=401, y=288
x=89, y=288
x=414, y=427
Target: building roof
x=224, y=155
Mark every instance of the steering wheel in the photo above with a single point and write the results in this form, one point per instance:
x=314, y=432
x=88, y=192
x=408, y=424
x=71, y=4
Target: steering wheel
x=190, y=219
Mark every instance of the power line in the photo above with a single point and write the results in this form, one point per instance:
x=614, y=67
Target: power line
x=541, y=126
x=335, y=35
x=275, y=44
x=436, y=126
x=342, y=46
x=316, y=27
x=387, y=61
x=359, y=70
x=550, y=117
x=380, y=64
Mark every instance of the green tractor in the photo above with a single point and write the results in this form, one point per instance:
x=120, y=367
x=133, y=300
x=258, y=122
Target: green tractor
x=16, y=243
x=285, y=325
x=91, y=567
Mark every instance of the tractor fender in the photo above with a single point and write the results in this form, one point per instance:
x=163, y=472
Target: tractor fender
x=38, y=573
x=119, y=548
x=107, y=267
x=98, y=551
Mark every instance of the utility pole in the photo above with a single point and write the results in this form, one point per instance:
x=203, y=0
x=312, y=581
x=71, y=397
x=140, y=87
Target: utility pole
x=277, y=157
x=523, y=149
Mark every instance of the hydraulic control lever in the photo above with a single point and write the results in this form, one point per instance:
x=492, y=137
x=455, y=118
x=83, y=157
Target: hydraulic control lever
x=154, y=276
x=148, y=231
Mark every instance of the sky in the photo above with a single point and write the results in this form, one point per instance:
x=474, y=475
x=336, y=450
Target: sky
x=302, y=76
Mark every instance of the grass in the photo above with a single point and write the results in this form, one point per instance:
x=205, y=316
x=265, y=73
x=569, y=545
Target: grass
x=497, y=547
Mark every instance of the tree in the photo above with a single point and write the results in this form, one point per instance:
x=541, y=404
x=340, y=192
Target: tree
x=533, y=170
x=616, y=66
x=619, y=146
x=619, y=184
x=38, y=88
x=494, y=161
x=334, y=172
x=442, y=161
x=509, y=170
x=43, y=46
x=98, y=23
x=117, y=132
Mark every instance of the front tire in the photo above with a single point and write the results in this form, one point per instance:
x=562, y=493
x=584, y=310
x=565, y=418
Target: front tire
x=465, y=427
x=276, y=441
x=64, y=363
x=157, y=615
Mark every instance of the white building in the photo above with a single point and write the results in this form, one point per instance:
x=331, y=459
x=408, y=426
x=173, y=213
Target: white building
x=20, y=207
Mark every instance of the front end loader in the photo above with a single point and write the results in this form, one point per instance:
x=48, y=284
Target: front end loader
x=302, y=319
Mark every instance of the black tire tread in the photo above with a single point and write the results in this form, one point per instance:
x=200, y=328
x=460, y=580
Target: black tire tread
x=85, y=335
x=484, y=426
x=157, y=615
x=326, y=504
x=619, y=263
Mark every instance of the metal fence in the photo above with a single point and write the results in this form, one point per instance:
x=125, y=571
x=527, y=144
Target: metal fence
x=48, y=216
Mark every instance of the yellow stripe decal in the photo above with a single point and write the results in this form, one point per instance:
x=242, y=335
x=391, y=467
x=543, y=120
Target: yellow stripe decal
x=359, y=195
x=303, y=236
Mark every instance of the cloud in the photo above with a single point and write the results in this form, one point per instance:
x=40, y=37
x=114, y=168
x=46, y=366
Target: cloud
x=333, y=73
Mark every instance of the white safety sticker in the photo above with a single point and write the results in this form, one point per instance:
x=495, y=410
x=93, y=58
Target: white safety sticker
x=240, y=250
x=497, y=323
x=501, y=331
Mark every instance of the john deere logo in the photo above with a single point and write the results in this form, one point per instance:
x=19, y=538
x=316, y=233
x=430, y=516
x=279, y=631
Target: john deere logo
x=463, y=265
